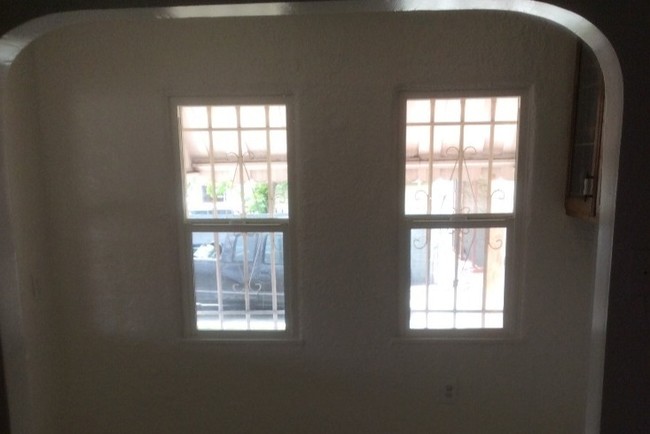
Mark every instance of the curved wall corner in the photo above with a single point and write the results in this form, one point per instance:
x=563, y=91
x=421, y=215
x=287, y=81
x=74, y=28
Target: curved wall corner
x=13, y=322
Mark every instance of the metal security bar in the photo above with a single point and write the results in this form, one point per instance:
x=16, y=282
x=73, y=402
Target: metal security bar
x=460, y=176
x=234, y=160
x=240, y=284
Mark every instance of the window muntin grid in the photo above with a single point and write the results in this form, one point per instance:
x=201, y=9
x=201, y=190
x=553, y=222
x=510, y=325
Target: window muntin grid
x=457, y=278
x=236, y=208
x=460, y=159
x=235, y=161
x=239, y=280
x=460, y=155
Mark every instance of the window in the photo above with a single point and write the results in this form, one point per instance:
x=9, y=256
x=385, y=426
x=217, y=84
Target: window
x=236, y=214
x=459, y=212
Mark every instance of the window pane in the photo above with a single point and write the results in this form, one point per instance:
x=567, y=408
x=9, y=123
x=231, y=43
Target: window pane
x=248, y=193
x=478, y=109
x=446, y=142
x=474, y=193
x=237, y=167
x=418, y=320
x=239, y=280
x=254, y=144
x=493, y=320
x=495, y=256
x=266, y=321
x=440, y=320
x=194, y=117
x=456, y=271
x=418, y=139
x=205, y=200
x=273, y=250
x=224, y=117
x=252, y=116
x=277, y=116
x=476, y=141
x=447, y=110
x=278, y=141
x=196, y=143
x=238, y=248
x=507, y=109
x=468, y=321
x=505, y=140
x=418, y=111
x=225, y=145
x=470, y=166
x=502, y=193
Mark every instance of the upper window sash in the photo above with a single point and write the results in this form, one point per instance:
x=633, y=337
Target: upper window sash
x=234, y=159
x=235, y=197
x=460, y=155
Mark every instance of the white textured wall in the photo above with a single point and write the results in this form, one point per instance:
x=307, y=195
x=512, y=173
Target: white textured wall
x=108, y=195
x=36, y=380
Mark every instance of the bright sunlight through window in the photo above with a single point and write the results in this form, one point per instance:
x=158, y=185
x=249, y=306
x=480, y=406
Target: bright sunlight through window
x=459, y=198
x=236, y=206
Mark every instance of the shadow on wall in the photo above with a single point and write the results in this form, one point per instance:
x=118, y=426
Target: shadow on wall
x=4, y=409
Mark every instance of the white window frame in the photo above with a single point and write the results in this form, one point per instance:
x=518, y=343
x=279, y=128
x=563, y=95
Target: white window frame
x=254, y=224
x=513, y=222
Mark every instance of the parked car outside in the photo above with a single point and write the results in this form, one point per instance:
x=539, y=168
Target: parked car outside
x=251, y=269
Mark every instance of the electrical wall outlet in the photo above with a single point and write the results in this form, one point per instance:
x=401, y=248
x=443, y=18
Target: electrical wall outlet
x=448, y=391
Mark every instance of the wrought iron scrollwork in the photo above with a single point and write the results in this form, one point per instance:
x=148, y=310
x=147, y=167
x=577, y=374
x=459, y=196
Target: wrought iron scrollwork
x=420, y=244
x=498, y=243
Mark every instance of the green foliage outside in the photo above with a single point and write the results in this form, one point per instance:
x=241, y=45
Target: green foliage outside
x=218, y=191
x=260, y=200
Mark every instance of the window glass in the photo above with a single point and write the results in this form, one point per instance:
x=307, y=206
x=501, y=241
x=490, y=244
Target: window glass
x=461, y=160
x=478, y=109
x=194, y=117
x=274, y=250
x=454, y=166
x=238, y=161
x=224, y=117
x=234, y=164
x=447, y=110
x=457, y=271
x=239, y=281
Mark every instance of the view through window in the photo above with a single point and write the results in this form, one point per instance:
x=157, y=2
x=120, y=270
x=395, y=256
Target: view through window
x=459, y=197
x=235, y=191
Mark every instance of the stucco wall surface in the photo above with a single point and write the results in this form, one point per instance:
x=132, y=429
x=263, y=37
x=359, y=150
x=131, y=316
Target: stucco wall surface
x=35, y=305
x=110, y=261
